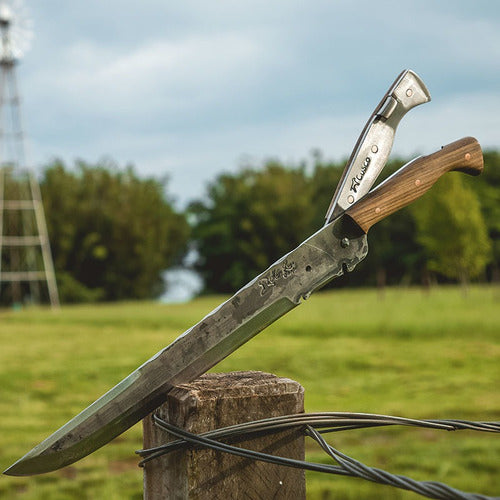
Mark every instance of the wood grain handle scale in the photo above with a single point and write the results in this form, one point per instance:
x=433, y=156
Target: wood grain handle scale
x=414, y=179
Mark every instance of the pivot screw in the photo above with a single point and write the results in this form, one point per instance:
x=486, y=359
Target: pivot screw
x=345, y=242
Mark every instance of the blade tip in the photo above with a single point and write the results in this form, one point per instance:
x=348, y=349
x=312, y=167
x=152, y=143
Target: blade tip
x=27, y=466
x=14, y=470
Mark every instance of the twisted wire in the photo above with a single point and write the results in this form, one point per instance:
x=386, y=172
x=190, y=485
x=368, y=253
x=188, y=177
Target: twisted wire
x=314, y=425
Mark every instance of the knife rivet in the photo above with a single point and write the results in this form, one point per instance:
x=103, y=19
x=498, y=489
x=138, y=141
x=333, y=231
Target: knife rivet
x=417, y=182
x=467, y=156
x=377, y=210
x=374, y=148
x=350, y=198
x=409, y=92
x=345, y=242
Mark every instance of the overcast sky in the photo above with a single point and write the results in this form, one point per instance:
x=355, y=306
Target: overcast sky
x=194, y=88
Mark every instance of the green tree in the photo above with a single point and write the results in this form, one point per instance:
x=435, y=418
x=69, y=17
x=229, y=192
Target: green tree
x=112, y=233
x=452, y=230
x=250, y=219
x=487, y=188
x=247, y=221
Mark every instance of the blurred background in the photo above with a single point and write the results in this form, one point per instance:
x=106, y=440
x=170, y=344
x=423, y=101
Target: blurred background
x=181, y=148
x=193, y=95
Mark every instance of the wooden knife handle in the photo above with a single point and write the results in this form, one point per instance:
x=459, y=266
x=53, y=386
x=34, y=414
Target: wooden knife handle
x=414, y=179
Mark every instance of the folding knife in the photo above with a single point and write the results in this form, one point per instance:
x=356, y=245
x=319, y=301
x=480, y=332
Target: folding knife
x=333, y=250
x=374, y=145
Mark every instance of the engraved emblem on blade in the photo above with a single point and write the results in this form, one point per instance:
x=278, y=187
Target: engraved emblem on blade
x=286, y=270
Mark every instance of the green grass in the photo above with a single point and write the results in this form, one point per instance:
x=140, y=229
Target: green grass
x=407, y=353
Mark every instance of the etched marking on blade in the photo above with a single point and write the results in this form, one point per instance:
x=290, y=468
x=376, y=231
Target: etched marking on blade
x=284, y=272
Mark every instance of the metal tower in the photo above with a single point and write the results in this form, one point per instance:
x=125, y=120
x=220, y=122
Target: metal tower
x=26, y=267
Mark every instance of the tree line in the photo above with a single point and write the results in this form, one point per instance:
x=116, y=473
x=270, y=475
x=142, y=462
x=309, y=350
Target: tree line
x=249, y=219
x=113, y=233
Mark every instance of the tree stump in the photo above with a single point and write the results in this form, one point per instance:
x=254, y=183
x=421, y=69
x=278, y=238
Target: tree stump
x=218, y=400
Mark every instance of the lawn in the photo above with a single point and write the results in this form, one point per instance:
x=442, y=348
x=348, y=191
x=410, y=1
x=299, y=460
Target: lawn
x=406, y=353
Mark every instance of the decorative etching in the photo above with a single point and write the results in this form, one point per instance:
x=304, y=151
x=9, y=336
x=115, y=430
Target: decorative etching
x=286, y=270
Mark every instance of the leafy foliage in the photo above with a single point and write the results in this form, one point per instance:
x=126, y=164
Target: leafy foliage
x=452, y=229
x=487, y=189
x=112, y=233
x=251, y=218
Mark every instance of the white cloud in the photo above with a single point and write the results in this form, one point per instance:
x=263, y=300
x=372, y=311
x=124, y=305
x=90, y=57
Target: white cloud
x=181, y=76
x=190, y=87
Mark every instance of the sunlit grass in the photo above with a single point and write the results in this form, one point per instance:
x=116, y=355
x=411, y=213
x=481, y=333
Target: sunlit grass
x=408, y=353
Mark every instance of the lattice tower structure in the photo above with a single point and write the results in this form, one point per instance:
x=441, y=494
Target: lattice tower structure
x=26, y=267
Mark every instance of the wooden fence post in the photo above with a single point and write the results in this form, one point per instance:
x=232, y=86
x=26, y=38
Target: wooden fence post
x=218, y=400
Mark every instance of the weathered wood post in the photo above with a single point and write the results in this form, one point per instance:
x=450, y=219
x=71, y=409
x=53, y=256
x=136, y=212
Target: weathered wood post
x=218, y=400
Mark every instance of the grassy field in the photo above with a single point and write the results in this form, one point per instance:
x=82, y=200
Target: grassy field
x=408, y=353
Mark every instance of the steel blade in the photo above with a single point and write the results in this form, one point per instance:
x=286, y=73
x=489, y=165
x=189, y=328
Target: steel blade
x=333, y=250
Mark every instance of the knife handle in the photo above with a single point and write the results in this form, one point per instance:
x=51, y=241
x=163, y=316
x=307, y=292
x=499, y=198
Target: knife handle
x=415, y=178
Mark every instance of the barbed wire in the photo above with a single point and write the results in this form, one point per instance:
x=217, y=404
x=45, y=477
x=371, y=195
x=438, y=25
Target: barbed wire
x=314, y=425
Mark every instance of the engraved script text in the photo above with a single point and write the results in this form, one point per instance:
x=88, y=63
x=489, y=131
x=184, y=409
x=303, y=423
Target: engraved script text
x=356, y=181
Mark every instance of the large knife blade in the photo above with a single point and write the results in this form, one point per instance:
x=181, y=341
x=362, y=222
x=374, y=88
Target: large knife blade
x=261, y=302
x=336, y=248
